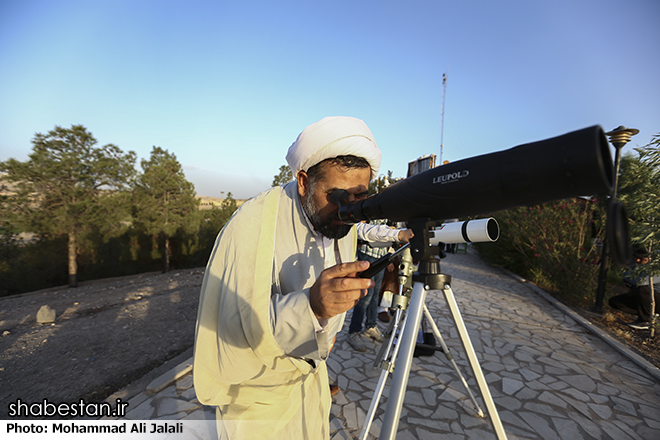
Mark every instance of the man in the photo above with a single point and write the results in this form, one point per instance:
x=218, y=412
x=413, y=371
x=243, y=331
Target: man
x=278, y=283
x=376, y=241
x=637, y=301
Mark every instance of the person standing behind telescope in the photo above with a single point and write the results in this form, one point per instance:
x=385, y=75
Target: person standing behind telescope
x=280, y=278
x=376, y=239
x=638, y=300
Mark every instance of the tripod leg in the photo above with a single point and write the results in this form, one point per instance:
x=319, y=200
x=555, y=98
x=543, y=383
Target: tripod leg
x=403, y=363
x=385, y=348
x=387, y=367
x=474, y=362
x=429, y=318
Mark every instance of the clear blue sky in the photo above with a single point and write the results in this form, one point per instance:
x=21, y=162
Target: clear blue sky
x=227, y=86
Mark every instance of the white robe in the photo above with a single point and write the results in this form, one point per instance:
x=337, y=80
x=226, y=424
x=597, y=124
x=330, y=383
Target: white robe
x=259, y=355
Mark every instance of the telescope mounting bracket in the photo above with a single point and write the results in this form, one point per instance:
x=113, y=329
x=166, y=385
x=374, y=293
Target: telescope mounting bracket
x=420, y=245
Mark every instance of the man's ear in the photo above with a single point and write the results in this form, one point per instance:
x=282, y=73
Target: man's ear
x=303, y=184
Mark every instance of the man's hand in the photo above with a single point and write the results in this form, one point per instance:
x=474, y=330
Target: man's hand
x=405, y=235
x=339, y=289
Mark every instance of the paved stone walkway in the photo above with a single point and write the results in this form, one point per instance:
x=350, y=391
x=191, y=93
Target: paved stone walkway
x=549, y=375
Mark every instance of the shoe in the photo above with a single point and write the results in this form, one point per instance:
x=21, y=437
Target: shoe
x=640, y=325
x=384, y=316
x=357, y=341
x=374, y=333
x=334, y=389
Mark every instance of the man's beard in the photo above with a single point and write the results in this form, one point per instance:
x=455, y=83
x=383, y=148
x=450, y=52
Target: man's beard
x=323, y=225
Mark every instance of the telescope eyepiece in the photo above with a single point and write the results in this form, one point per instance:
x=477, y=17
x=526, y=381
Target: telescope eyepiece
x=339, y=197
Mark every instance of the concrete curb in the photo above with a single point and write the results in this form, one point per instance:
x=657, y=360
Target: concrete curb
x=621, y=348
x=169, y=377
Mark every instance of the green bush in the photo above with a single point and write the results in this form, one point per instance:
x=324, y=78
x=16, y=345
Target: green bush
x=555, y=245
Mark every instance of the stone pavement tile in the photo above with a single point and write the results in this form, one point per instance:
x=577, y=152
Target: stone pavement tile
x=135, y=401
x=176, y=416
x=189, y=395
x=350, y=415
x=205, y=413
x=406, y=434
x=184, y=382
x=342, y=435
x=169, y=406
x=144, y=411
x=170, y=391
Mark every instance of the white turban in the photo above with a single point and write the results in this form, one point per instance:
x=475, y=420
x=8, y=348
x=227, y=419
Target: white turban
x=331, y=137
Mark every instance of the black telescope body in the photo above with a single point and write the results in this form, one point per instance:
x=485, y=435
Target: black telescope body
x=574, y=164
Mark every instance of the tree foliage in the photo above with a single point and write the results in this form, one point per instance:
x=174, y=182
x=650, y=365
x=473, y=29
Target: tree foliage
x=71, y=201
x=164, y=201
x=227, y=209
x=639, y=189
x=69, y=187
x=285, y=176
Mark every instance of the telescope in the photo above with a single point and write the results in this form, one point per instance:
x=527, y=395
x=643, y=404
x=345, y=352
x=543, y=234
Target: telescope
x=482, y=230
x=575, y=164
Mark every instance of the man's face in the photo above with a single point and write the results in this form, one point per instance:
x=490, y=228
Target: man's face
x=315, y=198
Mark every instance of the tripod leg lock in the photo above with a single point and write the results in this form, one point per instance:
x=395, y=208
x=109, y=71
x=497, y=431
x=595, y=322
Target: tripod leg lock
x=387, y=366
x=400, y=302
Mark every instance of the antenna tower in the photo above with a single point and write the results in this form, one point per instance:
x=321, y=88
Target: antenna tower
x=442, y=117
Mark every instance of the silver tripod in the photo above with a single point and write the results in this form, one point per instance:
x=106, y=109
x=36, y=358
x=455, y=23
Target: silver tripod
x=396, y=355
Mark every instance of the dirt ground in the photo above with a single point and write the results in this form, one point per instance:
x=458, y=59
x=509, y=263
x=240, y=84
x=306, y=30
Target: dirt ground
x=614, y=322
x=107, y=334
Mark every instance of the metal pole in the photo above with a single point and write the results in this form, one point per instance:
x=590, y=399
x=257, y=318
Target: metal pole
x=387, y=368
x=618, y=137
x=403, y=363
x=474, y=363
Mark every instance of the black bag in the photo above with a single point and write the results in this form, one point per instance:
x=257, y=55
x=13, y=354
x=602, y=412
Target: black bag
x=428, y=348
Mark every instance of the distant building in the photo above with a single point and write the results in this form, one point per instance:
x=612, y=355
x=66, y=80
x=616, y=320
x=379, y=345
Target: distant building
x=421, y=164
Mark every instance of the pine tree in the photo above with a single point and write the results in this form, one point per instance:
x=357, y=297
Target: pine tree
x=164, y=201
x=69, y=187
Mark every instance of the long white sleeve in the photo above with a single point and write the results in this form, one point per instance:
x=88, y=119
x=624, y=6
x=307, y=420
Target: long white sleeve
x=377, y=235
